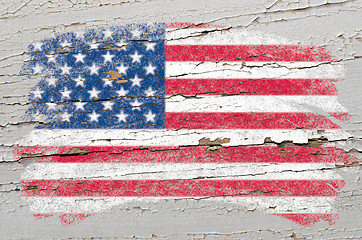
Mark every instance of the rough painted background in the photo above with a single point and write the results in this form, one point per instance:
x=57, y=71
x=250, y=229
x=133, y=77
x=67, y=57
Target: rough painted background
x=335, y=25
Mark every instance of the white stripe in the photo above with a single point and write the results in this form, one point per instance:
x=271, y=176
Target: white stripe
x=232, y=70
x=99, y=204
x=180, y=171
x=166, y=137
x=209, y=36
x=254, y=104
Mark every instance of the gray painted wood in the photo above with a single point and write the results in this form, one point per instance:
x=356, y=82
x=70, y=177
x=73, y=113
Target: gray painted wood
x=334, y=24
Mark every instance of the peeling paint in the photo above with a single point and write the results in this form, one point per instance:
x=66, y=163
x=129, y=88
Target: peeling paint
x=331, y=25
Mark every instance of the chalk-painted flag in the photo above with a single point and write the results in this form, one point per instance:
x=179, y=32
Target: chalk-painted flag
x=167, y=111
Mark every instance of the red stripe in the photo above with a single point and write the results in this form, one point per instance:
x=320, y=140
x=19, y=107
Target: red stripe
x=246, y=53
x=191, y=25
x=307, y=219
x=341, y=116
x=179, y=188
x=196, y=154
x=251, y=87
x=255, y=120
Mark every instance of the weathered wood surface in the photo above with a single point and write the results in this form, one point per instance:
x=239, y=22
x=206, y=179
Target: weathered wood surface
x=335, y=25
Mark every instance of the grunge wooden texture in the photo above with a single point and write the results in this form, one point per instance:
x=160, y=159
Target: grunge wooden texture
x=332, y=25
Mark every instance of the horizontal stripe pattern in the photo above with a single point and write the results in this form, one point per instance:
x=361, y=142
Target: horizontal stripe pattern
x=246, y=53
x=187, y=155
x=253, y=104
x=233, y=79
x=168, y=137
x=236, y=70
x=175, y=171
x=247, y=120
x=179, y=188
x=301, y=86
x=100, y=204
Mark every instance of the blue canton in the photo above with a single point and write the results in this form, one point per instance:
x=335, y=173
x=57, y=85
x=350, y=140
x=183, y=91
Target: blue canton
x=103, y=78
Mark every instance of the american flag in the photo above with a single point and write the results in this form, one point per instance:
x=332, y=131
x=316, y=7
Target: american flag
x=145, y=112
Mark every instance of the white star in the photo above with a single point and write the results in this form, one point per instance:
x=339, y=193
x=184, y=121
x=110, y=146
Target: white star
x=107, y=105
x=94, y=93
x=66, y=117
x=65, y=69
x=136, y=57
x=108, y=57
x=79, y=81
x=122, y=92
x=79, y=57
x=136, y=33
x=107, y=82
x=66, y=93
x=150, y=92
x=65, y=44
x=122, y=44
x=150, y=117
x=136, y=81
x=107, y=34
x=51, y=58
x=122, y=117
x=93, y=45
x=80, y=105
x=51, y=104
x=94, y=69
x=94, y=116
x=150, y=69
x=37, y=46
x=136, y=105
x=37, y=69
x=37, y=93
x=122, y=69
x=51, y=81
x=150, y=46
